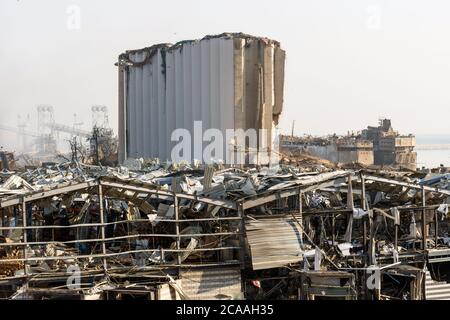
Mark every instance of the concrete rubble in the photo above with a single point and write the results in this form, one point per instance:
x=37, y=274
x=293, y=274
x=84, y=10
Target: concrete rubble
x=88, y=232
x=380, y=146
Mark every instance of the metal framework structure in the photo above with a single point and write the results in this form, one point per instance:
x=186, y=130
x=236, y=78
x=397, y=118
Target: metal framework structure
x=107, y=188
x=103, y=186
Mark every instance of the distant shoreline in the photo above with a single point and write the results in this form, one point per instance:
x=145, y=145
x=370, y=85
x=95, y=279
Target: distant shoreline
x=432, y=139
x=430, y=146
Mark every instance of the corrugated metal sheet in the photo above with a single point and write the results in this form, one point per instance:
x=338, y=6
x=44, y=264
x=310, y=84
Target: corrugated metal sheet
x=227, y=82
x=273, y=242
x=212, y=283
x=436, y=290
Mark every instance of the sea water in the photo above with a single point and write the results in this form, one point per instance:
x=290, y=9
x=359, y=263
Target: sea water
x=433, y=150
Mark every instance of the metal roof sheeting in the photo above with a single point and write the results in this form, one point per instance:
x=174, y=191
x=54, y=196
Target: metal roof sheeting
x=436, y=290
x=274, y=242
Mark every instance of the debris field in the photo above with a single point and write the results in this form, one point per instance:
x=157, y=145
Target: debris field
x=191, y=231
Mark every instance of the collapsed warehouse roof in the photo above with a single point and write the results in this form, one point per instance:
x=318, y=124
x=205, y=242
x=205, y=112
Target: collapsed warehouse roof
x=152, y=231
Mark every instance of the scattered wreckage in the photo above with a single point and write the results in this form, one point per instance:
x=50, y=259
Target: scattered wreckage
x=161, y=232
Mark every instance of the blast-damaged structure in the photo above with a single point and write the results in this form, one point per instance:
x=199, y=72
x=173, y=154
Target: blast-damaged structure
x=390, y=147
x=379, y=146
x=185, y=232
x=229, y=81
x=339, y=150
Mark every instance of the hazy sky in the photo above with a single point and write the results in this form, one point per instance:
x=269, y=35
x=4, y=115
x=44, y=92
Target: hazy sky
x=348, y=62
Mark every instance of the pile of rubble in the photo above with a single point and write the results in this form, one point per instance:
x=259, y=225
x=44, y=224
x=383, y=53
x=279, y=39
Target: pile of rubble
x=189, y=231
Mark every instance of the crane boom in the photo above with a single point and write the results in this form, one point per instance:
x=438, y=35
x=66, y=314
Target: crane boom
x=69, y=130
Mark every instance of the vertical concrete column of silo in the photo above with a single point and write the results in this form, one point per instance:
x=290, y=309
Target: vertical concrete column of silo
x=263, y=71
x=269, y=92
x=279, y=65
x=240, y=81
x=252, y=89
x=121, y=106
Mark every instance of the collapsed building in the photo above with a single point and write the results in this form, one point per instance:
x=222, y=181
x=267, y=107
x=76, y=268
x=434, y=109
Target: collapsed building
x=391, y=148
x=231, y=81
x=380, y=146
x=339, y=150
x=209, y=232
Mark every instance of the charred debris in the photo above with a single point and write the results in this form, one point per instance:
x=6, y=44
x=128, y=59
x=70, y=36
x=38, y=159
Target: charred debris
x=207, y=232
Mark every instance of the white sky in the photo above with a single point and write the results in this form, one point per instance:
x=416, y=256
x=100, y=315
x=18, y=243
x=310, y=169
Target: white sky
x=348, y=61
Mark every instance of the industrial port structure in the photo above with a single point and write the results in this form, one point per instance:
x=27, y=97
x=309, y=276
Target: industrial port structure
x=380, y=146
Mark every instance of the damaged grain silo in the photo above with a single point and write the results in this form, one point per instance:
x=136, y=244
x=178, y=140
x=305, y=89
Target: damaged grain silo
x=228, y=82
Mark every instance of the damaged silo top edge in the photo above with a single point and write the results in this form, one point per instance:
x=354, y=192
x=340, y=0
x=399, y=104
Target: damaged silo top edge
x=124, y=58
x=169, y=46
